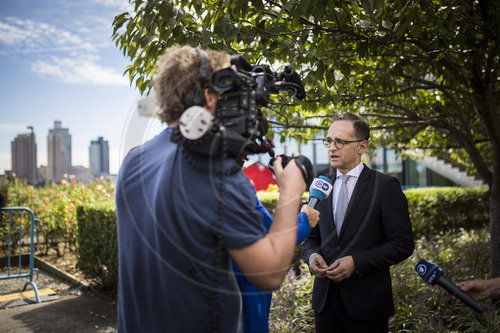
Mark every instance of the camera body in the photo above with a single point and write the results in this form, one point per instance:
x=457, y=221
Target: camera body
x=238, y=128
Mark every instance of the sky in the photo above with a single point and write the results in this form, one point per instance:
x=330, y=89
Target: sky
x=59, y=62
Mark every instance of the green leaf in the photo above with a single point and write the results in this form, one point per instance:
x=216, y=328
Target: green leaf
x=367, y=5
x=304, y=6
x=378, y=4
x=166, y=9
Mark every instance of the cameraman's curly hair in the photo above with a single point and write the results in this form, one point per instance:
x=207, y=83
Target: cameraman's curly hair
x=179, y=72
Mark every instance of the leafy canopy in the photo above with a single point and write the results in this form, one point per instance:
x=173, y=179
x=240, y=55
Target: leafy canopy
x=424, y=73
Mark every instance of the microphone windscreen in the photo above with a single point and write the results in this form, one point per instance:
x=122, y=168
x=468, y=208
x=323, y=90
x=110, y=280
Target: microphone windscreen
x=429, y=272
x=320, y=188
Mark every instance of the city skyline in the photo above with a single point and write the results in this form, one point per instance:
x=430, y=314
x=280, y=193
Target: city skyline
x=24, y=157
x=99, y=157
x=59, y=63
x=45, y=162
x=59, y=163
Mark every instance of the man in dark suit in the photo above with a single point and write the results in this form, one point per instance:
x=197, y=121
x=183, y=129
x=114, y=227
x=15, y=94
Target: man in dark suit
x=364, y=228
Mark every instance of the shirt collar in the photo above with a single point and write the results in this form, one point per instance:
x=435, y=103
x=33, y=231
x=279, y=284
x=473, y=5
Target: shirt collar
x=354, y=172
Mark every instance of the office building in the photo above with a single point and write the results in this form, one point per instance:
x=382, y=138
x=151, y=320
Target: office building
x=99, y=157
x=59, y=153
x=23, y=154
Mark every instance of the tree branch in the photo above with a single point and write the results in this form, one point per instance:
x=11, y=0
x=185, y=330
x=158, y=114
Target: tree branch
x=434, y=85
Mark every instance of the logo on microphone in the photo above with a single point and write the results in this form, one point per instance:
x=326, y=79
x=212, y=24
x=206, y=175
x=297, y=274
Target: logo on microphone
x=421, y=269
x=322, y=185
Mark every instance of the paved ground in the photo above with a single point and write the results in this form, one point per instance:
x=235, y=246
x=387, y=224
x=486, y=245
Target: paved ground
x=68, y=309
x=69, y=313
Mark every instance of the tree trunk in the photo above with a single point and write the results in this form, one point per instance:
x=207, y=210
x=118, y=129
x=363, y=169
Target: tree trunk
x=495, y=217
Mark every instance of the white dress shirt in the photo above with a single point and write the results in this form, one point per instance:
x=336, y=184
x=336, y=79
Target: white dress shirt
x=351, y=183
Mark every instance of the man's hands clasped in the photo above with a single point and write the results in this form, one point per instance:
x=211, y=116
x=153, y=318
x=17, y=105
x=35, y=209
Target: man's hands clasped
x=340, y=270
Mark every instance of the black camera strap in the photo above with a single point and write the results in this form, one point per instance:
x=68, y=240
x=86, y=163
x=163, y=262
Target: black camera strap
x=219, y=174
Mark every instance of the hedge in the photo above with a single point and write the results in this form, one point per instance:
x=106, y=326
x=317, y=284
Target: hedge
x=97, y=245
x=432, y=210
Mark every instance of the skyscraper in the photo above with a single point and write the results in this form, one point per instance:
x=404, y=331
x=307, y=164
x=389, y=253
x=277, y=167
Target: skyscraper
x=23, y=154
x=99, y=157
x=59, y=152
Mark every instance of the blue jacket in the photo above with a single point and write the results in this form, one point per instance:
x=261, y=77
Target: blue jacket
x=257, y=303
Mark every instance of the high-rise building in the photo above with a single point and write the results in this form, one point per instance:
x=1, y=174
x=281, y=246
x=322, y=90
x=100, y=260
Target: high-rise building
x=59, y=153
x=99, y=157
x=23, y=154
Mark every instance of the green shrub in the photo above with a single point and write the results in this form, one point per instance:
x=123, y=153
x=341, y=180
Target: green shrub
x=4, y=192
x=420, y=307
x=55, y=206
x=97, y=245
x=433, y=210
x=269, y=199
x=462, y=255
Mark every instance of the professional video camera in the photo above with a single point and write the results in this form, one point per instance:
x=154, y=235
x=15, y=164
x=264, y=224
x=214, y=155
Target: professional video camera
x=239, y=127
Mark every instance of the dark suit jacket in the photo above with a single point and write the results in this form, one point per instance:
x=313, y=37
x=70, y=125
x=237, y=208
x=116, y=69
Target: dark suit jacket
x=376, y=232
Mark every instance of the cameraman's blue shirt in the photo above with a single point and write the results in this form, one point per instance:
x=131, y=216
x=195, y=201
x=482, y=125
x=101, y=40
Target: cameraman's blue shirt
x=175, y=273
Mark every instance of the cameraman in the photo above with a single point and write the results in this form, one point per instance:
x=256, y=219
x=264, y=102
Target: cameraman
x=178, y=225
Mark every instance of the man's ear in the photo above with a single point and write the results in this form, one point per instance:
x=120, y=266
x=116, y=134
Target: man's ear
x=362, y=146
x=211, y=100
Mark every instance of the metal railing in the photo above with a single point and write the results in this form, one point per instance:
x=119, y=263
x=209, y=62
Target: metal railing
x=14, y=213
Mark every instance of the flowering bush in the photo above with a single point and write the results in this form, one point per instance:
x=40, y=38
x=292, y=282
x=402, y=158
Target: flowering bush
x=291, y=305
x=55, y=206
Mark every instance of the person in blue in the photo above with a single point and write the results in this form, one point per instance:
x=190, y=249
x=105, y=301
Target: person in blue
x=256, y=302
x=179, y=225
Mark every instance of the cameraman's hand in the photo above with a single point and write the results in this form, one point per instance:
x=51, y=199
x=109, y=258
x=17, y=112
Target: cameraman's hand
x=290, y=180
x=312, y=215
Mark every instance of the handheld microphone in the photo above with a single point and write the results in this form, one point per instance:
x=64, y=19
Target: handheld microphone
x=433, y=274
x=320, y=189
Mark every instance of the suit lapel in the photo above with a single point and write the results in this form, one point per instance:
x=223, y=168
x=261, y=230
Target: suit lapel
x=329, y=206
x=358, y=191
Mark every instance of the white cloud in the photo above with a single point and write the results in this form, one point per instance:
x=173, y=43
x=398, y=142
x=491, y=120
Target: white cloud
x=11, y=34
x=78, y=70
x=74, y=60
x=24, y=36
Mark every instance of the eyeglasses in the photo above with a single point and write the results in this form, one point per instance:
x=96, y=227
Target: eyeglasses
x=339, y=143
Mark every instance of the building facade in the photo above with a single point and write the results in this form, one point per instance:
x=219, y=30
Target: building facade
x=58, y=153
x=23, y=157
x=410, y=172
x=99, y=157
